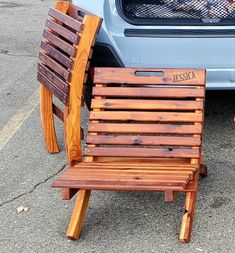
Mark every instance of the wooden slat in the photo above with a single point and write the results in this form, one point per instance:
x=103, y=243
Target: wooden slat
x=56, y=54
x=72, y=37
x=67, y=20
x=117, y=186
x=153, y=164
x=150, y=161
x=58, y=112
x=136, y=171
x=148, y=92
x=177, y=77
x=59, y=69
x=142, y=152
x=78, y=13
x=160, y=180
x=144, y=128
x=62, y=96
x=147, y=116
x=53, y=78
x=60, y=43
x=136, y=179
x=143, y=140
x=146, y=104
x=120, y=172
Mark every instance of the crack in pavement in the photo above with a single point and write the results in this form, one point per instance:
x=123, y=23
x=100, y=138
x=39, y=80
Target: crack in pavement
x=34, y=187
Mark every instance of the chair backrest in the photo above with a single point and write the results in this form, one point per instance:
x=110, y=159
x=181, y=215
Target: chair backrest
x=59, y=48
x=147, y=113
x=66, y=50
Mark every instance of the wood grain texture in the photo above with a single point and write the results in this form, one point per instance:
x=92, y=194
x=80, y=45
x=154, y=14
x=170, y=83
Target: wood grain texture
x=68, y=193
x=146, y=104
x=144, y=128
x=60, y=30
x=56, y=54
x=65, y=19
x=58, y=112
x=72, y=123
x=112, y=177
x=146, y=116
x=189, y=212
x=46, y=103
x=139, y=140
x=47, y=120
x=146, y=92
x=78, y=215
x=60, y=94
x=53, y=77
x=142, y=152
x=59, y=69
x=142, y=142
x=170, y=77
x=60, y=43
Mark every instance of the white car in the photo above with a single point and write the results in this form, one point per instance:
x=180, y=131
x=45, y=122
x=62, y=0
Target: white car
x=167, y=34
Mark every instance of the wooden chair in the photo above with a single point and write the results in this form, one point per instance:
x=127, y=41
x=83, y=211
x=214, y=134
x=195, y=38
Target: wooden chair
x=66, y=50
x=144, y=134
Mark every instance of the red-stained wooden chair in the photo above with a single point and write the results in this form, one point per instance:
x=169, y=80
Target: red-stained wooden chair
x=66, y=50
x=144, y=134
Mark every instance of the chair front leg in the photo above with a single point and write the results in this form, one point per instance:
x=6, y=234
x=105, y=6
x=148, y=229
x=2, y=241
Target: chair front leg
x=47, y=119
x=78, y=215
x=187, y=222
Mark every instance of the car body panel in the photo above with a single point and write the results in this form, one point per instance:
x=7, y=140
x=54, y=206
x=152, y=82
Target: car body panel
x=215, y=54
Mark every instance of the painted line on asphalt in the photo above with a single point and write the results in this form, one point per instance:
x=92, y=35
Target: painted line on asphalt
x=14, y=124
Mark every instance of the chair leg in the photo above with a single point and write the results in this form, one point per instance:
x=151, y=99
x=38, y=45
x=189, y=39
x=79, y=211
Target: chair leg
x=203, y=167
x=203, y=170
x=188, y=216
x=47, y=119
x=78, y=215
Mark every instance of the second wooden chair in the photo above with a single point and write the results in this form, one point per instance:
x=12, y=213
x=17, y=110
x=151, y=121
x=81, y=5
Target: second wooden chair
x=66, y=49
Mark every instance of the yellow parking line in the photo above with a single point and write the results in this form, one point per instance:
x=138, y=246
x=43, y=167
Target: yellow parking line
x=14, y=124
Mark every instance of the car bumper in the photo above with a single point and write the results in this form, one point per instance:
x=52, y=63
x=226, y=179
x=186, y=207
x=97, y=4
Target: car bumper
x=215, y=54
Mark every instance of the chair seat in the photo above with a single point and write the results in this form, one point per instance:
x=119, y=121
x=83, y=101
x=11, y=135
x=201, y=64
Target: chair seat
x=118, y=176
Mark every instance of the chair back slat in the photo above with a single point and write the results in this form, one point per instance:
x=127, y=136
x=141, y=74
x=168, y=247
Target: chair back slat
x=172, y=77
x=146, y=104
x=60, y=94
x=53, y=77
x=155, y=92
x=57, y=55
x=144, y=140
x=146, y=116
x=59, y=29
x=145, y=128
x=55, y=66
x=59, y=42
x=159, y=116
x=66, y=19
x=142, y=152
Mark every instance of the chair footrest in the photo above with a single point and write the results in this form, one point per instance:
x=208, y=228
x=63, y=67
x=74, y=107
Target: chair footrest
x=98, y=176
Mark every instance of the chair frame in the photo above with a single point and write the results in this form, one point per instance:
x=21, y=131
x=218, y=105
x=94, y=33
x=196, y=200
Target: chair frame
x=95, y=159
x=66, y=14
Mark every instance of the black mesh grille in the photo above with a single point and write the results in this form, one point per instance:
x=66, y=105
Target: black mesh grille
x=206, y=11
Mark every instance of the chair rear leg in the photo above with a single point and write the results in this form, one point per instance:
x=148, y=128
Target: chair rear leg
x=203, y=167
x=203, y=170
x=47, y=119
x=78, y=215
x=187, y=222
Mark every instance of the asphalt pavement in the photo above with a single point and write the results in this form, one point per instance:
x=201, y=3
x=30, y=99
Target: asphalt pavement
x=116, y=221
